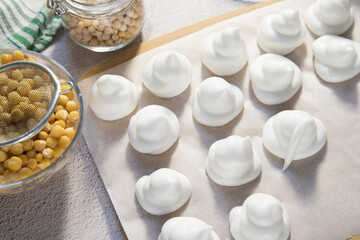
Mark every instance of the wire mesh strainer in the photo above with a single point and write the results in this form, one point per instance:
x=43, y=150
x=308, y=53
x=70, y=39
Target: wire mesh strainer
x=29, y=93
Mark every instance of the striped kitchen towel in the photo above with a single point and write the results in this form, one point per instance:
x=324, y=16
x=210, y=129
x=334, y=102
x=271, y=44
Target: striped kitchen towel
x=26, y=24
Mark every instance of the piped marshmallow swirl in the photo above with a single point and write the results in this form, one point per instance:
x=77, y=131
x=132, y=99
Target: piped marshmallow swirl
x=154, y=129
x=224, y=52
x=260, y=217
x=167, y=74
x=217, y=102
x=187, y=228
x=275, y=79
x=293, y=135
x=113, y=97
x=162, y=192
x=337, y=59
x=329, y=17
x=233, y=161
x=281, y=33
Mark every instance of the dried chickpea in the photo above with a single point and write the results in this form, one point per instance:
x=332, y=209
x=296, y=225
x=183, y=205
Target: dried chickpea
x=52, y=142
x=58, y=151
x=74, y=116
x=42, y=135
x=39, y=157
x=17, y=75
x=64, y=142
x=61, y=115
x=60, y=123
x=39, y=145
x=71, y=106
x=32, y=163
x=57, y=131
x=31, y=154
x=13, y=163
x=25, y=173
x=10, y=175
x=63, y=99
x=47, y=127
x=3, y=156
x=70, y=132
x=18, y=55
x=3, y=78
x=48, y=152
x=17, y=149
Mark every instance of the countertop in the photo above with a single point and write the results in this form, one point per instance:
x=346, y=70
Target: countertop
x=74, y=203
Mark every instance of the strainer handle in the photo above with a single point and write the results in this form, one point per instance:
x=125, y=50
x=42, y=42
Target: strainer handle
x=67, y=90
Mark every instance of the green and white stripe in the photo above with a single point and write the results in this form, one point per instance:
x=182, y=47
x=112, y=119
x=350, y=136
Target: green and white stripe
x=26, y=24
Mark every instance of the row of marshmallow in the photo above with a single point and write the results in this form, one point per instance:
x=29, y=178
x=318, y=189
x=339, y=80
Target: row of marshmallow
x=261, y=216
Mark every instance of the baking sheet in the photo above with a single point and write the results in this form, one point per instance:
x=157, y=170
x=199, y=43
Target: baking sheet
x=321, y=193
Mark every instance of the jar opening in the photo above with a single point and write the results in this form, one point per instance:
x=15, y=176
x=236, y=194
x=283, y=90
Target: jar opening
x=97, y=7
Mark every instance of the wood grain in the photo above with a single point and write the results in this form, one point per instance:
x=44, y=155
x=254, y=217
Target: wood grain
x=131, y=52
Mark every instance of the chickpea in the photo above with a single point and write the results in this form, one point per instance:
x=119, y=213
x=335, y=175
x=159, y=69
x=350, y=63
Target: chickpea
x=3, y=78
x=40, y=113
x=39, y=145
x=25, y=173
x=48, y=152
x=31, y=123
x=52, y=142
x=17, y=75
x=57, y=131
x=13, y=163
x=31, y=153
x=63, y=99
x=58, y=151
x=24, y=88
x=39, y=157
x=3, y=155
x=32, y=163
x=18, y=56
x=70, y=132
x=74, y=116
x=17, y=149
x=10, y=175
x=4, y=90
x=6, y=58
x=17, y=115
x=27, y=73
x=64, y=142
x=47, y=127
x=42, y=135
x=60, y=123
x=61, y=115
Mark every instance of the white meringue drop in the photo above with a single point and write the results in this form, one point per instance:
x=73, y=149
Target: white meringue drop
x=337, y=59
x=275, y=79
x=154, y=129
x=281, y=33
x=329, y=17
x=167, y=74
x=293, y=135
x=113, y=97
x=217, y=102
x=224, y=52
x=260, y=217
x=187, y=228
x=162, y=192
x=233, y=161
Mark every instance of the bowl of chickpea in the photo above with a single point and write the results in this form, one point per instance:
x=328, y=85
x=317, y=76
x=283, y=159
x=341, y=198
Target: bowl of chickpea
x=26, y=164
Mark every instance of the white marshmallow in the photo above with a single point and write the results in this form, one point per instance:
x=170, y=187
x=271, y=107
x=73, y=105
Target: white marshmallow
x=113, y=97
x=293, y=135
x=329, y=17
x=281, y=33
x=217, y=102
x=224, y=52
x=154, y=129
x=167, y=74
x=162, y=192
x=275, y=79
x=260, y=217
x=187, y=228
x=337, y=59
x=233, y=161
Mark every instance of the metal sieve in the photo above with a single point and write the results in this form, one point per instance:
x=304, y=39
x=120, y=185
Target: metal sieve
x=29, y=93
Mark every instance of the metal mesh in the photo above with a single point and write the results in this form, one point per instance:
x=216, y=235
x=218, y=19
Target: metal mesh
x=26, y=96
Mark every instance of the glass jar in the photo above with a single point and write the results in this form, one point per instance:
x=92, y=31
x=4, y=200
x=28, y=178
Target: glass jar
x=100, y=25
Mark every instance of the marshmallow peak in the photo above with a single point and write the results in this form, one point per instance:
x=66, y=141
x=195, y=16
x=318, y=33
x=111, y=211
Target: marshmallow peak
x=260, y=217
x=281, y=33
x=217, y=102
x=113, y=97
x=293, y=135
x=224, y=52
x=187, y=228
x=233, y=161
x=337, y=59
x=275, y=79
x=154, y=129
x=167, y=74
x=329, y=17
x=162, y=192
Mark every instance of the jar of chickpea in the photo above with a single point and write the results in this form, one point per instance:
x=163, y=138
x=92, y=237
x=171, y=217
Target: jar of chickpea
x=100, y=25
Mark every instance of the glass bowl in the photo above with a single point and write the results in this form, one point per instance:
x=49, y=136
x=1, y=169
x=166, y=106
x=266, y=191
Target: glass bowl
x=43, y=175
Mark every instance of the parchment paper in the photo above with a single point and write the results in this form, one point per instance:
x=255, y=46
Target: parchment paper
x=321, y=193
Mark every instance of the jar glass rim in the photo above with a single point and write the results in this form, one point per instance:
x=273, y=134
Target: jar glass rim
x=104, y=7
